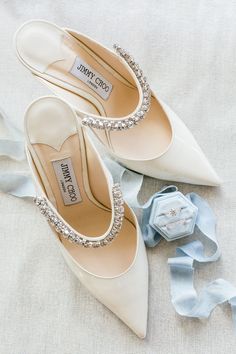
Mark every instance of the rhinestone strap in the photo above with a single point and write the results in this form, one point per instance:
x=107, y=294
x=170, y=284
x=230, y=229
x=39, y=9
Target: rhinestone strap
x=125, y=123
x=73, y=236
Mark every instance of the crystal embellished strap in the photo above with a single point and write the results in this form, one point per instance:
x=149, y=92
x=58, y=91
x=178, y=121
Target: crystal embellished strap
x=130, y=122
x=73, y=236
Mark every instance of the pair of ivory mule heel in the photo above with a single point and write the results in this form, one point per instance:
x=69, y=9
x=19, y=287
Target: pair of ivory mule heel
x=106, y=92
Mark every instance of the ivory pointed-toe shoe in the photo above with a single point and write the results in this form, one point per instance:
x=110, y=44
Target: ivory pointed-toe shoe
x=112, y=97
x=96, y=231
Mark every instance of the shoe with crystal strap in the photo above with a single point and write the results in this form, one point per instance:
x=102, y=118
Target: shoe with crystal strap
x=112, y=97
x=96, y=231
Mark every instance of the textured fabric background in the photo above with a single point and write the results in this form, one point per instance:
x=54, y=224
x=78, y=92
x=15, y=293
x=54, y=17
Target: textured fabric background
x=188, y=50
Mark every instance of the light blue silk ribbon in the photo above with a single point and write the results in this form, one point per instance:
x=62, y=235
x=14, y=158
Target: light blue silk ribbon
x=185, y=299
x=19, y=184
x=13, y=146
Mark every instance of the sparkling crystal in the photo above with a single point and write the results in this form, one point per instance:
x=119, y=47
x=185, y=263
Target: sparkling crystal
x=85, y=121
x=144, y=107
x=79, y=240
x=140, y=114
x=108, y=125
x=121, y=209
x=116, y=126
x=117, y=193
x=119, y=202
x=136, y=118
x=93, y=123
x=130, y=123
x=66, y=232
x=100, y=125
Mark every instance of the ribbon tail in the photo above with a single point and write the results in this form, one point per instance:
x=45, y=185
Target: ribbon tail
x=184, y=296
x=17, y=184
x=12, y=149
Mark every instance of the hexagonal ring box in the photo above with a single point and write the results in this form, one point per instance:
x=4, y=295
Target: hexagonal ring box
x=173, y=216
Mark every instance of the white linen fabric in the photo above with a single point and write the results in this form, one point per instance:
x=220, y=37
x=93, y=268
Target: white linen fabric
x=187, y=48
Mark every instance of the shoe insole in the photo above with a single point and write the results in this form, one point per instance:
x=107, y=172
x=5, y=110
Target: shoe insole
x=71, y=63
x=61, y=163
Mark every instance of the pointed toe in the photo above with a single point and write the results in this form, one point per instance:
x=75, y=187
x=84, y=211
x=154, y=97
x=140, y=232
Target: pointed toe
x=136, y=313
x=125, y=295
x=207, y=175
x=216, y=181
x=140, y=330
x=187, y=163
x=183, y=161
x=135, y=316
x=199, y=172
